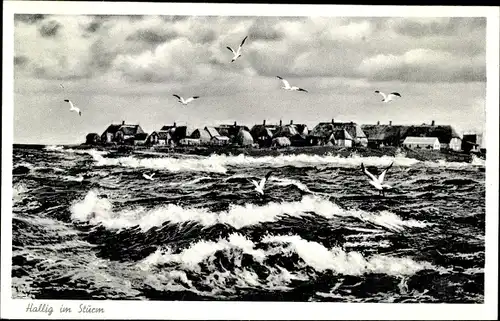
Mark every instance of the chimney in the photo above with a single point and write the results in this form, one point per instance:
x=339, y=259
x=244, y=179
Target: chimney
x=234, y=123
x=390, y=122
x=378, y=122
x=333, y=121
x=291, y=122
x=123, y=122
x=432, y=124
x=175, y=125
x=264, y=122
x=281, y=123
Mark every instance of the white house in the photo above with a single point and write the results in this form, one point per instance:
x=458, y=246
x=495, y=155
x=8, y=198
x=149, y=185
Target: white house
x=422, y=143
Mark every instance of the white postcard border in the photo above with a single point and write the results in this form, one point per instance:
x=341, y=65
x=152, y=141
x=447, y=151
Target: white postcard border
x=253, y=310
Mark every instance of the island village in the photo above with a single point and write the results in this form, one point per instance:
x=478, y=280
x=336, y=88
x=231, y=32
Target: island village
x=290, y=134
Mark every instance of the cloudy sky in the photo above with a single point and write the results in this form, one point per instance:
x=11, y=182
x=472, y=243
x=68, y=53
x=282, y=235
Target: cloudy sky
x=128, y=67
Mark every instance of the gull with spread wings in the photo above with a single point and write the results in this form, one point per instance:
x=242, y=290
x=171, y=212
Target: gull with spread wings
x=377, y=182
x=388, y=98
x=72, y=107
x=286, y=85
x=237, y=53
x=259, y=186
x=185, y=101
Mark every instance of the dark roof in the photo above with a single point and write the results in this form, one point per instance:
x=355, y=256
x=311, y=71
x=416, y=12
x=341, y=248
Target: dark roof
x=263, y=130
x=112, y=129
x=341, y=134
x=322, y=130
x=129, y=129
x=399, y=132
x=167, y=127
x=230, y=130
x=141, y=136
x=285, y=131
x=164, y=134
x=92, y=134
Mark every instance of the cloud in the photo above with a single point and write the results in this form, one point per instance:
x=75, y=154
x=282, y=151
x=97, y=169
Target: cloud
x=29, y=18
x=50, y=28
x=154, y=48
x=20, y=60
x=425, y=27
x=152, y=36
x=424, y=65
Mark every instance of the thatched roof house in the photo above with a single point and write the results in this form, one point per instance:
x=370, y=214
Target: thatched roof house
x=244, y=138
x=92, y=139
x=230, y=130
x=263, y=134
x=201, y=134
x=394, y=135
x=121, y=133
x=322, y=132
x=178, y=132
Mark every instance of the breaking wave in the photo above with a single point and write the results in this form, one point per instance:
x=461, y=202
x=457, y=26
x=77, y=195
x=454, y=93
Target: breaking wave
x=311, y=254
x=99, y=211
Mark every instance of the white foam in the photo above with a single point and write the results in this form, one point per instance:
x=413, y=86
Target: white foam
x=54, y=148
x=96, y=211
x=313, y=254
x=191, y=257
x=350, y=263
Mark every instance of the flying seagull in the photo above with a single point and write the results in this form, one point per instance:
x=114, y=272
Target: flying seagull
x=148, y=177
x=72, y=107
x=387, y=98
x=237, y=53
x=286, y=85
x=377, y=182
x=187, y=101
x=61, y=86
x=259, y=186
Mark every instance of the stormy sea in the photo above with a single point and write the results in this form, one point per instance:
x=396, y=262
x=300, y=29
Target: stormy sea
x=87, y=225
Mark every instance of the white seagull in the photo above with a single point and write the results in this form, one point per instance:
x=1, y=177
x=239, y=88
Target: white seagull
x=377, y=182
x=286, y=86
x=237, y=53
x=148, y=177
x=187, y=101
x=387, y=98
x=259, y=186
x=72, y=107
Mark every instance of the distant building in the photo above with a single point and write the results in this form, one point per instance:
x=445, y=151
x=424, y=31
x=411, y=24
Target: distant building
x=263, y=134
x=422, y=143
x=230, y=131
x=471, y=142
x=152, y=139
x=92, y=139
x=244, y=138
x=220, y=140
x=322, y=133
x=140, y=138
x=342, y=138
x=202, y=134
x=189, y=142
x=394, y=135
x=121, y=134
x=165, y=138
x=178, y=133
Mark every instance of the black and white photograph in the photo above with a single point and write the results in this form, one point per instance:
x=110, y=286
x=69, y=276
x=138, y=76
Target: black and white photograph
x=209, y=153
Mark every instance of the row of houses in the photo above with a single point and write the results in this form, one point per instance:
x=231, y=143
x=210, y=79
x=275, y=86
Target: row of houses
x=332, y=133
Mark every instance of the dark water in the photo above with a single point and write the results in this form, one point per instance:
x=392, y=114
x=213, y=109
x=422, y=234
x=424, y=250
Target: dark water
x=200, y=232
